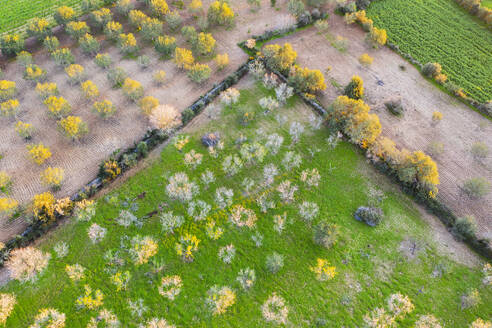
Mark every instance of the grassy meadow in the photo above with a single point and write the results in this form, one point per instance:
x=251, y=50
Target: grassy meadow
x=369, y=263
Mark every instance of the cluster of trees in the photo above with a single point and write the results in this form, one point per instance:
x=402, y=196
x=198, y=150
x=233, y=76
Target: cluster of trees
x=352, y=115
x=410, y=167
x=475, y=8
x=375, y=36
x=282, y=59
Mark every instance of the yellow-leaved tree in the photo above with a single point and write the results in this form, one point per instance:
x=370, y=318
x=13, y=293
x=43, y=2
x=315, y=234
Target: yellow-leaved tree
x=355, y=88
x=220, y=13
x=307, y=80
x=183, y=58
x=278, y=57
x=39, y=153
x=73, y=127
x=353, y=116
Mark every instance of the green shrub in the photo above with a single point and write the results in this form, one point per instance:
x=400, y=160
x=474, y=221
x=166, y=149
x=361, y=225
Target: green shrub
x=165, y=45
x=173, y=20
x=431, y=69
x=63, y=57
x=189, y=32
x=480, y=151
x=64, y=14
x=370, y=215
x=89, y=44
x=116, y=76
x=34, y=73
x=476, y=188
x=143, y=61
x=395, y=106
x=51, y=43
x=24, y=58
x=187, y=115
x=77, y=29
x=151, y=29
x=103, y=60
x=11, y=44
x=199, y=73
x=296, y=8
x=464, y=228
x=124, y=6
x=142, y=149
x=101, y=17
x=112, y=30
x=38, y=28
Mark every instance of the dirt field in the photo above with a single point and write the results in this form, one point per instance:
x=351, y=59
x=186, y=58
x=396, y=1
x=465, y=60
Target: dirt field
x=460, y=128
x=81, y=160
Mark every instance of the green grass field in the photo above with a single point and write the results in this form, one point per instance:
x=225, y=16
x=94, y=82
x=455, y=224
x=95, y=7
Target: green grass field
x=368, y=262
x=487, y=3
x=441, y=31
x=14, y=14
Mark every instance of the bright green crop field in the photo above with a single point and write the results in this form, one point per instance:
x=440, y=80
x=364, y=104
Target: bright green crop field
x=370, y=265
x=14, y=14
x=487, y=3
x=441, y=31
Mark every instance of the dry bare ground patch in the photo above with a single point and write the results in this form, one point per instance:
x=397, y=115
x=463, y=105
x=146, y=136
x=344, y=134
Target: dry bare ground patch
x=80, y=160
x=459, y=129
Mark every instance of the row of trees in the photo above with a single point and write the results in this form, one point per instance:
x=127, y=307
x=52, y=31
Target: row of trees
x=375, y=36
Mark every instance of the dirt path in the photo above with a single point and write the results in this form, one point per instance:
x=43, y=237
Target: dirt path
x=81, y=160
x=460, y=128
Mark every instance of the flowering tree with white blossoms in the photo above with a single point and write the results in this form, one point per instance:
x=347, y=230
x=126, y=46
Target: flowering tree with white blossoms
x=223, y=197
x=170, y=222
x=7, y=304
x=291, y=160
x=26, y=264
x=264, y=202
x=96, y=233
x=193, y=159
x=286, y=191
x=227, y=253
x=268, y=104
x=311, y=177
x=198, y=210
x=49, y=318
x=308, y=211
x=165, y=117
x=242, y=217
x=246, y=278
x=275, y=310
x=296, y=129
x=181, y=188
x=274, y=142
x=207, y=178
x=229, y=96
x=270, y=171
x=232, y=164
x=283, y=92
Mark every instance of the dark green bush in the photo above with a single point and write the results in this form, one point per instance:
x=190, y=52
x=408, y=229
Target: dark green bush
x=116, y=77
x=464, y=228
x=370, y=215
